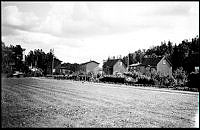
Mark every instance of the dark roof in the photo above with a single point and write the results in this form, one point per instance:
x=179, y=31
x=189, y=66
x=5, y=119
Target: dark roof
x=168, y=58
x=151, y=61
x=89, y=62
x=65, y=66
x=110, y=63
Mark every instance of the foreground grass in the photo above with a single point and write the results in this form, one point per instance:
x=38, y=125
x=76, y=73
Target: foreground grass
x=34, y=102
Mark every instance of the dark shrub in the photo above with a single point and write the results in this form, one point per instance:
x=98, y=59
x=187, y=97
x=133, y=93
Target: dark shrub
x=9, y=75
x=112, y=79
x=193, y=80
x=180, y=76
x=133, y=75
x=142, y=79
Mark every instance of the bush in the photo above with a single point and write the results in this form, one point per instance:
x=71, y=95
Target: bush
x=193, y=80
x=9, y=75
x=133, y=75
x=153, y=79
x=180, y=76
x=142, y=79
x=171, y=81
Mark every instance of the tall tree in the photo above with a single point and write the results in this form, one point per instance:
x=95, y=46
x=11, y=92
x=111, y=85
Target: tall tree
x=12, y=58
x=169, y=48
x=139, y=56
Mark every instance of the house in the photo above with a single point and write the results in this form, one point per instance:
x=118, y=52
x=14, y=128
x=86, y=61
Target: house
x=64, y=70
x=113, y=66
x=164, y=67
x=68, y=68
x=88, y=67
x=149, y=65
x=134, y=67
x=56, y=69
x=98, y=70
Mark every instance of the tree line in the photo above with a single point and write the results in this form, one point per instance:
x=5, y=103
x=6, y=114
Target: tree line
x=185, y=54
x=12, y=60
x=45, y=61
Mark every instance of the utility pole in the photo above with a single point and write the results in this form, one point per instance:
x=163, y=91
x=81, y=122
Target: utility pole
x=52, y=51
x=128, y=63
x=35, y=67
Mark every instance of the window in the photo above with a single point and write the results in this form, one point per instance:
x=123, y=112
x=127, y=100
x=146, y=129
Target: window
x=164, y=62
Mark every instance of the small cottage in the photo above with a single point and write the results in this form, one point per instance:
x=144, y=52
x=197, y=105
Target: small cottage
x=88, y=67
x=164, y=67
x=149, y=65
x=114, y=66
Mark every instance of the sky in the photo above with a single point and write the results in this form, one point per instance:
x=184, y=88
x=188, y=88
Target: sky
x=84, y=31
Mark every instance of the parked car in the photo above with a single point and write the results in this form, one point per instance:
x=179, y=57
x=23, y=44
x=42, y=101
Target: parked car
x=16, y=74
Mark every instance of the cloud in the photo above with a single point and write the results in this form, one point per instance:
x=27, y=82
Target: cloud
x=13, y=18
x=81, y=30
x=169, y=8
x=35, y=40
x=86, y=19
x=72, y=20
x=7, y=31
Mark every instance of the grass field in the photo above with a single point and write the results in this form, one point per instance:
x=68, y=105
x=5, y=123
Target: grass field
x=41, y=102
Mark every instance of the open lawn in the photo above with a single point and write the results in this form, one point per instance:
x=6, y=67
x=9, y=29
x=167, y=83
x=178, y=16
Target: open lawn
x=42, y=102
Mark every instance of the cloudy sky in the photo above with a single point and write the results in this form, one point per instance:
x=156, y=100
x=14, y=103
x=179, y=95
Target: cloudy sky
x=83, y=31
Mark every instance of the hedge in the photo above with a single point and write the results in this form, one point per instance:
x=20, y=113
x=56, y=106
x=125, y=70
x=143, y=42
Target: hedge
x=113, y=79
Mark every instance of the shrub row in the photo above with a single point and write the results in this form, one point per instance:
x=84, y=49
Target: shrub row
x=145, y=80
x=112, y=79
x=72, y=77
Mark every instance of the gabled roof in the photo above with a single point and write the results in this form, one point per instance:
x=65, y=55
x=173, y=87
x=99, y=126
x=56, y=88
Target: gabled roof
x=97, y=68
x=151, y=61
x=110, y=63
x=136, y=64
x=65, y=66
x=89, y=62
x=168, y=60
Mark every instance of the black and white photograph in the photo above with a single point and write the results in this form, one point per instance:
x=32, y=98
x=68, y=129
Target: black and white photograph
x=100, y=64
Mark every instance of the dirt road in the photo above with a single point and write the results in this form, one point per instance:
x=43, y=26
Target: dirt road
x=41, y=102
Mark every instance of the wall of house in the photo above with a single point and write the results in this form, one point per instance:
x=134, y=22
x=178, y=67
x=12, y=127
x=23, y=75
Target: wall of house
x=146, y=70
x=90, y=67
x=82, y=68
x=64, y=71
x=97, y=70
x=107, y=70
x=153, y=70
x=57, y=69
x=142, y=69
x=164, y=69
x=134, y=68
x=119, y=67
